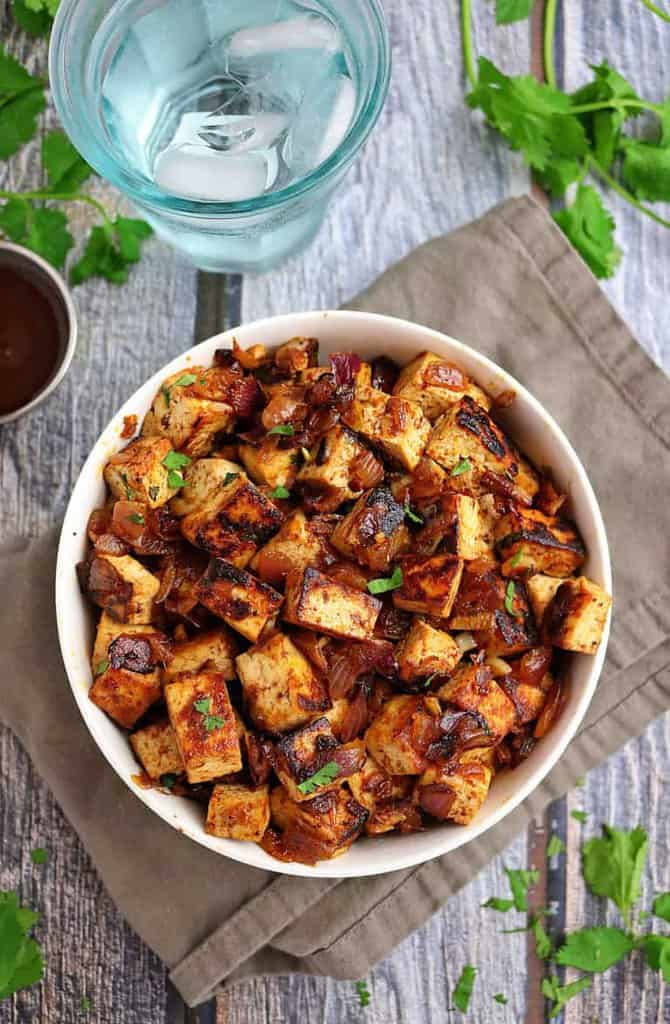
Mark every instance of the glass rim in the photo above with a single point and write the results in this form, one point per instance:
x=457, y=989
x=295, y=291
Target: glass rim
x=144, y=191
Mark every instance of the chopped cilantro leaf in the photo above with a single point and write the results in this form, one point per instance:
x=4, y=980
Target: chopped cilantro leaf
x=136, y=518
x=101, y=667
x=363, y=994
x=229, y=477
x=153, y=492
x=185, y=380
x=500, y=998
x=613, y=864
x=510, y=594
x=168, y=780
x=561, y=994
x=130, y=493
x=580, y=816
x=324, y=776
x=384, y=584
x=175, y=479
x=21, y=963
x=544, y=947
x=555, y=846
x=210, y=722
x=464, y=466
x=520, y=881
x=464, y=987
x=285, y=429
x=498, y=903
x=280, y=492
x=517, y=557
x=175, y=460
x=661, y=907
x=39, y=855
x=594, y=949
x=411, y=515
x=86, y=1004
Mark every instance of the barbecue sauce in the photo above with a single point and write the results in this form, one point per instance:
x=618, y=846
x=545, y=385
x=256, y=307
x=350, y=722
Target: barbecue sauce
x=30, y=340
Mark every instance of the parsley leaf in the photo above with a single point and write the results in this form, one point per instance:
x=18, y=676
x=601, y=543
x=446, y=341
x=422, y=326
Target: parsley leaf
x=464, y=987
x=646, y=170
x=21, y=101
x=464, y=466
x=594, y=949
x=175, y=460
x=101, y=667
x=285, y=429
x=229, y=477
x=520, y=881
x=580, y=816
x=508, y=11
x=411, y=515
x=36, y=22
x=661, y=907
x=110, y=250
x=510, y=596
x=210, y=722
x=590, y=228
x=544, y=947
x=136, y=518
x=384, y=584
x=86, y=1004
x=43, y=230
x=185, y=380
x=561, y=994
x=280, y=492
x=498, y=903
x=324, y=775
x=66, y=169
x=363, y=994
x=555, y=847
x=39, y=855
x=657, y=954
x=603, y=127
x=613, y=864
x=21, y=961
x=500, y=998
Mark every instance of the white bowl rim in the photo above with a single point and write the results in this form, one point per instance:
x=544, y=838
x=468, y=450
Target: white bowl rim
x=391, y=856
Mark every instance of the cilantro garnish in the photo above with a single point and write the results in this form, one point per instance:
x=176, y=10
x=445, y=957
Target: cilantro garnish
x=136, y=518
x=86, y=1004
x=464, y=466
x=384, y=584
x=153, y=492
x=411, y=515
x=661, y=907
x=580, y=816
x=185, y=380
x=500, y=998
x=101, y=667
x=508, y=11
x=555, y=846
x=520, y=881
x=544, y=947
x=173, y=462
x=321, y=778
x=21, y=963
x=210, y=722
x=285, y=429
x=464, y=987
x=130, y=493
x=510, y=594
x=363, y=994
x=561, y=994
x=517, y=557
x=229, y=477
x=594, y=949
x=498, y=903
x=280, y=492
x=613, y=864
x=39, y=855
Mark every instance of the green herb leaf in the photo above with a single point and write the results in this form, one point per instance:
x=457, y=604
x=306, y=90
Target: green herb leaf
x=661, y=906
x=175, y=460
x=590, y=228
x=555, y=847
x=185, y=380
x=657, y=953
x=175, y=479
x=136, y=518
x=594, y=949
x=280, y=492
x=86, y=1004
x=101, y=667
x=508, y=11
x=21, y=101
x=285, y=429
x=580, y=816
x=580, y=782
x=561, y=994
x=500, y=998
x=497, y=903
x=36, y=23
x=363, y=994
x=517, y=558
x=384, y=584
x=66, y=169
x=613, y=865
x=412, y=516
x=109, y=252
x=168, y=780
x=544, y=947
x=130, y=493
x=510, y=594
x=321, y=778
x=464, y=987
x=603, y=127
x=39, y=855
x=646, y=170
x=520, y=881
x=464, y=466
x=229, y=477
x=210, y=722
x=43, y=230
x=21, y=961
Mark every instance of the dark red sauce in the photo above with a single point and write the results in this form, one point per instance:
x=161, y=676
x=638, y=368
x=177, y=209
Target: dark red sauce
x=29, y=340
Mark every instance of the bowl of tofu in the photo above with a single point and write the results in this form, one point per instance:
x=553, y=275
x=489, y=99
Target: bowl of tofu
x=333, y=593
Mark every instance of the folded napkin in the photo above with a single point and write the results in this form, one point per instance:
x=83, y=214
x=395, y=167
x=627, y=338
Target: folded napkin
x=511, y=286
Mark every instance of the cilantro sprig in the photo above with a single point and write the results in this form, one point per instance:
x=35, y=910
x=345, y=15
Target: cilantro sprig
x=322, y=777
x=210, y=722
x=21, y=963
x=386, y=583
x=363, y=993
x=464, y=987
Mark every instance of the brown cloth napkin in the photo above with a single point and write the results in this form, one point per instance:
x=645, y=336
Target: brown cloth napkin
x=511, y=286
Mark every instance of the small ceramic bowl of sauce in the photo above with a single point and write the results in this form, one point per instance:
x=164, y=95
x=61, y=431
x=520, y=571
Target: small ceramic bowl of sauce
x=38, y=330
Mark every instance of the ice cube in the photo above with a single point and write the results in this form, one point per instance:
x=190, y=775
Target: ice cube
x=320, y=124
x=305, y=32
x=340, y=118
x=201, y=173
x=242, y=132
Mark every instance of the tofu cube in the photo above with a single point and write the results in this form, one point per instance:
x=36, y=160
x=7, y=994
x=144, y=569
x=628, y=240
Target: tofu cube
x=333, y=474
x=454, y=792
x=156, y=749
x=426, y=651
x=529, y=541
x=435, y=385
x=466, y=431
x=269, y=464
x=373, y=787
x=528, y=700
x=401, y=733
x=472, y=688
x=236, y=811
x=455, y=526
x=281, y=688
x=109, y=629
x=481, y=606
x=541, y=590
x=331, y=821
x=214, y=650
x=397, y=426
x=400, y=814
x=191, y=423
x=237, y=597
x=204, y=723
x=297, y=355
x=575, y=620
x=138, y=474
x=235, y=524
x=204, y=479
x=315, y=601
x=374, y=532
x=423, y=486
x=141, y=588
x=125, y=696
x=298, y=756
x=429, y=585
x=299, y=543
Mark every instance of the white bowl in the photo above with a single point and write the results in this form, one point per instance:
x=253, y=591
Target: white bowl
x=536, y=433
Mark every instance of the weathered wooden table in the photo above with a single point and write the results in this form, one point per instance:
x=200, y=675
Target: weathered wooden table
x=429, y=167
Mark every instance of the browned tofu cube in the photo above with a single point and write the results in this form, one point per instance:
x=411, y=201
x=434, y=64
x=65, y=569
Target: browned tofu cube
x=125, y=696
x=472, y=688
x=454, y=792
x=429, y=585
x=236, y=811
x=495, y=609
x=529, y=541
x=541, y=590
x=139, y=585
x=575, y=620
x=401, y=733
x=190, y=422
x=398, y=426
x=204, y=481
x=374, y=532
x=281, y=688
x=340, y=470
x=238, y=598
x=300, y=542
x=269, y=464
x=214, y=650
x=109, y=629
x=394, y=814
x=435, y=385
x=373, y=787
x=203, y=720
x=454, y=525
x=467, y=432
x=423, y=486
x=426, y=651
x=316, y=829
x=297, y=355
x=138, y=473
x=315, y=601
x=299, y=757
x=237, y=522
x=156, y=749
x=528, y=700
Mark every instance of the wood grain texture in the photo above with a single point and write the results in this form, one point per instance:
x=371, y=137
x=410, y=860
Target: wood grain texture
x=429, y=167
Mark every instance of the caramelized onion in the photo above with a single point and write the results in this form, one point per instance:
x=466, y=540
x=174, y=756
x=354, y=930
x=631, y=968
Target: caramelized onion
x=345, y=366
x=287, y=405
x=393, y=623
x=258, y=760
x=168, y=578
x=359, y=659
x=110, y=544
x=436, y=800
x=251, y=358
x=101, y=582
x=313, y=646
x=534, y=665
x=384, y=374
x=356, y=716
x=132, y=653
x=442, y=375
x=98, y=523
x=273, y=567
x=551, y=710
x=365, y=471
